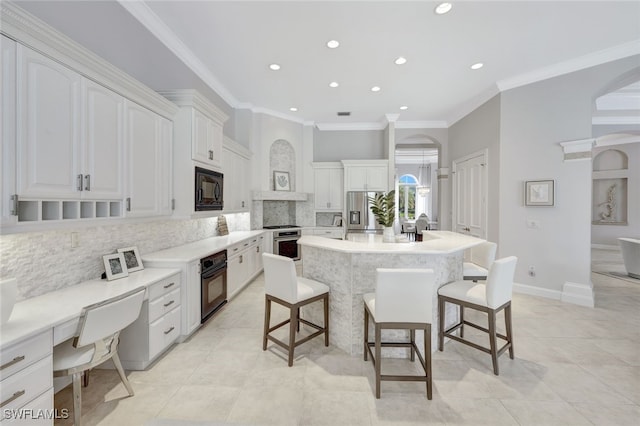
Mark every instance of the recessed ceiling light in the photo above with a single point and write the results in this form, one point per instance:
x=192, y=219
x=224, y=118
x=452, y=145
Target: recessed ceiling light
x=375, y=89
x=294, y=109
x=443, y=8
x=332, y=44
x=401, y=61
x=334, y=84
x=404, y=107
x=274, y=67
x=477, y=66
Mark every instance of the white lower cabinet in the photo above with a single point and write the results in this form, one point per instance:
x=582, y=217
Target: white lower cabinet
x=157, y=327
x=244, y=262
x=26, y=376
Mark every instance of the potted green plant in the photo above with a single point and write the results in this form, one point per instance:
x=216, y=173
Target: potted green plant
x=383, y=207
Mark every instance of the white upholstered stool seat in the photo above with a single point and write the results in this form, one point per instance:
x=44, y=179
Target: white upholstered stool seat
x=402, y=300
x=491, y=298
x=284, y=287
x=97, y=341
x=480, y=259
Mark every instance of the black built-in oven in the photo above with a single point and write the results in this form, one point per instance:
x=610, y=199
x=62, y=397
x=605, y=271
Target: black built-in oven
x=208, y=190
x=213, y=278
x=285, y=243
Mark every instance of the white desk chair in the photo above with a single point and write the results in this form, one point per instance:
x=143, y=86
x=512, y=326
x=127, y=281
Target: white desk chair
x=480, y=259
x=402, y=300
x=490, y=298
x=281, y=285
x=96, y=342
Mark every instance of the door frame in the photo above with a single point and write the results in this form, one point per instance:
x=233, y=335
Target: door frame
x=454, y=183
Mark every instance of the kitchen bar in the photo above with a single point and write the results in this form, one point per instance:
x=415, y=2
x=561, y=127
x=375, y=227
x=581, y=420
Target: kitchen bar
x=348, y=267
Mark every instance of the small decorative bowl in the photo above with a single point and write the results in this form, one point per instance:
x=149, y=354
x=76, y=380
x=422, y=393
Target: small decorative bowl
x=8, y=294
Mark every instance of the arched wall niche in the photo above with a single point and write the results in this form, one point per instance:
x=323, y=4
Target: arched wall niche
x=282, y=158
x=610, y=159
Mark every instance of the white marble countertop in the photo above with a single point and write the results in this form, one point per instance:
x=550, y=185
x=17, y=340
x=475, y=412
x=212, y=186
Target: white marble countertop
x=198, y=249
x=434, y=242
x=32, y=316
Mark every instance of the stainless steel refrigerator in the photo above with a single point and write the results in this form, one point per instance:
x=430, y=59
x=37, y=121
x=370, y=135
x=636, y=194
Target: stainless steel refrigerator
x=359, y=215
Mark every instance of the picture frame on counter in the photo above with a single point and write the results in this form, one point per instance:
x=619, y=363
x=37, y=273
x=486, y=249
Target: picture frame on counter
x=132, y=258
x=115, y=266
x=281, y=181
x=539, y=193
x=337, y=220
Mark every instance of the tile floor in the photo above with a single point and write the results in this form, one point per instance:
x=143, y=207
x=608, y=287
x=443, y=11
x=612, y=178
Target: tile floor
x=573, y=366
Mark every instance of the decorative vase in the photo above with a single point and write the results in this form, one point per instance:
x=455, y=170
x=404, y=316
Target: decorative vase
x=8, y=294
x=388, y=236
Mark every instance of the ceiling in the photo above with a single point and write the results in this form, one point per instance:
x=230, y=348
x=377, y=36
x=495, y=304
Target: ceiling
x=226, y=47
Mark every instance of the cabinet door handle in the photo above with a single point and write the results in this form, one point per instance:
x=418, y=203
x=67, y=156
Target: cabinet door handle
x=13, y=398
x=79, y=183
x=169, y=303
x=240, y=259
x=169, y=285
x=210, y=155
x=258, y=249
x=169, y=330
x=128, y=204
x=12, y=362
x=87, y=182
x=235, y=249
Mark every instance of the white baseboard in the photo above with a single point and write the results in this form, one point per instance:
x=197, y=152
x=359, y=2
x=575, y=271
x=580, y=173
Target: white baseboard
x=537, y=291
x=605, y=247
x=578, y=294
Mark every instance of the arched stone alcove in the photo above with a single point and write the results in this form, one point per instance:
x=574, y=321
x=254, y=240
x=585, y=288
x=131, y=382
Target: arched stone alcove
x=282, y=158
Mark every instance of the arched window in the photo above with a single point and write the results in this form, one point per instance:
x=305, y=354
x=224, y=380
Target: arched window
x=407, y=185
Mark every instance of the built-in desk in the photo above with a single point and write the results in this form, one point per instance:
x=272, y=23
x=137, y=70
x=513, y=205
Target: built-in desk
x=39, y=323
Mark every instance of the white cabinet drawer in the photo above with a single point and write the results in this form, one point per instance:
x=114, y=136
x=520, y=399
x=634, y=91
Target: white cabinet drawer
x=164, y=304
x=21, y=355
x=164, y=286
x=36, y=412
x=163, y=331
x=234, y=249
x=24, y=386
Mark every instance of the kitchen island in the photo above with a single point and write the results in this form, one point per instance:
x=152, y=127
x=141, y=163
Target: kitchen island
x=348, y=267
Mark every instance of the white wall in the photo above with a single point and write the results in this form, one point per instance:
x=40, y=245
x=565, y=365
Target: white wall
x=348, y=145
x=533, y=120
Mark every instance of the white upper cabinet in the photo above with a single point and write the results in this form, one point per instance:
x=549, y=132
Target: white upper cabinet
x=328, y=186
x=148, y=139
x=104, y=142
x=207, y=140
x=49, y=127
x=8, y=128
x=366, y=175
x=237, y=175
x=71, y=139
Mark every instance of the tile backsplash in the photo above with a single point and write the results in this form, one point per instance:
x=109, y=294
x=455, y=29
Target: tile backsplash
x=44, y=261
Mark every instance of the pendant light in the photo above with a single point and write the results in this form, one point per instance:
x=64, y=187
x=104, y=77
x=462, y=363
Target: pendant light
x=423, y=189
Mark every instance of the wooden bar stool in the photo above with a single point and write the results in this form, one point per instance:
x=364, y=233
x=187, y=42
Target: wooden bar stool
x=402, y=300
x=490, y=298
x=285, y=288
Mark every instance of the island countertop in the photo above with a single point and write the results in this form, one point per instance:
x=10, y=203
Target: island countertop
x=434, y=242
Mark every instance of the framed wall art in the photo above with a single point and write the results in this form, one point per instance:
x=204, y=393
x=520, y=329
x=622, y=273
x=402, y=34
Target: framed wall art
x=132, y=258
x=281, y=181
x=539, y=193
x=115, y=266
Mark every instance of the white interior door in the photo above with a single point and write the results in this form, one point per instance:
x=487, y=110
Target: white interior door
x=470, y=195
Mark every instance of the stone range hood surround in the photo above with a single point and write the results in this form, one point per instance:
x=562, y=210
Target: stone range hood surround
x=279, y=196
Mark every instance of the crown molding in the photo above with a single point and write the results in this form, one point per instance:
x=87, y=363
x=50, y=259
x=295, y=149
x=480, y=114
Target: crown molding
x=276, y=114
x=572, y=65
x=434, y=124
x=235, y=147
x=143, y=13
x=193, y=98
x=617, y=139
x=616, y=120
x=350, y=126
x=30, y=31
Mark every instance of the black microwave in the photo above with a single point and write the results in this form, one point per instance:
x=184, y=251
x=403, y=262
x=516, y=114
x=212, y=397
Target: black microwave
x=208, y=194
